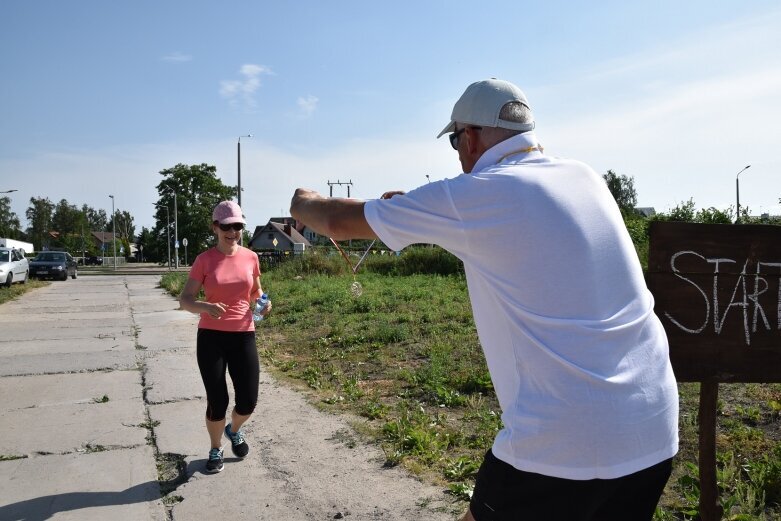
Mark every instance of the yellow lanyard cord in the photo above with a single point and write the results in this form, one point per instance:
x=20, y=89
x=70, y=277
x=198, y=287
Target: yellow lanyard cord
x=521, y=151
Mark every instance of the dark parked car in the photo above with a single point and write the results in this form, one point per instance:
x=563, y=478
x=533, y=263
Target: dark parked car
x=92, y=260
x=53, y=264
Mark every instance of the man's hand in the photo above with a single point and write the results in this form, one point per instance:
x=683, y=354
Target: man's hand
x=304, y=194
x=388, y=195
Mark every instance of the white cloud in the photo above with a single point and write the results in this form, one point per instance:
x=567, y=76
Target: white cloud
x=307, y=105
x=177, y=57
x=241, y=93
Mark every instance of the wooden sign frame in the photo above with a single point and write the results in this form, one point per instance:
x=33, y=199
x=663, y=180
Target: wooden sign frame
x=717, y=291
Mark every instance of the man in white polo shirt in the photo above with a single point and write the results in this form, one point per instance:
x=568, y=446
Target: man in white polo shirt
x=576, y=354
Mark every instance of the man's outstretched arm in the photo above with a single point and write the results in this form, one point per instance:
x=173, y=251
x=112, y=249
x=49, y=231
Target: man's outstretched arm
x=337, y=218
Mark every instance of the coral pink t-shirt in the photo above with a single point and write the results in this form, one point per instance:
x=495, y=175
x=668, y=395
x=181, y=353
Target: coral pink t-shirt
x=228, y=279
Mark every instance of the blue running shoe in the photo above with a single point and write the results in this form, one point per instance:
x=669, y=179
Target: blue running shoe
x=238, y=445
x=215, y=464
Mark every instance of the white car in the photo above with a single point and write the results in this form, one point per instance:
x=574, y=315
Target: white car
x=14, y=267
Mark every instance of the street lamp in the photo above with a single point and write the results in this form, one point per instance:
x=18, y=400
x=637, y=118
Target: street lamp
x=9, y=191
x=114, y=231
x=427, y=178
x=737, y=193
x=167, y=231
x=238, y=169
x=176, y=228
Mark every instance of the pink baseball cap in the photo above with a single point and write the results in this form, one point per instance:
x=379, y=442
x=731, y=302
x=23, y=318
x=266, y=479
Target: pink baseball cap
x=228, y=212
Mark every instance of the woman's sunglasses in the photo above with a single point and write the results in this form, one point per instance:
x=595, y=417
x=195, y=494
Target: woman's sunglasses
x=234, y=226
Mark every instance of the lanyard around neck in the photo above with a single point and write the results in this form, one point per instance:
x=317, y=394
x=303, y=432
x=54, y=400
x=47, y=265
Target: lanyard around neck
x=521, y=151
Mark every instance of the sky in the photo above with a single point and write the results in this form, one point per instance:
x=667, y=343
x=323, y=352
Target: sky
x=97, y=97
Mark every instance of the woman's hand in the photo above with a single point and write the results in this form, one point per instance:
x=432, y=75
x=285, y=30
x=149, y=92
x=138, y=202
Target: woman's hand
x=267, y=309
x=215, y=309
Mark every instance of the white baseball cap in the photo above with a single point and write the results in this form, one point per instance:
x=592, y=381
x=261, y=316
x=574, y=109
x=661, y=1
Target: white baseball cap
x=481, y=103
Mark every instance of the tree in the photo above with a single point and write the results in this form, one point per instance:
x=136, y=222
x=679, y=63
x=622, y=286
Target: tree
x=39, y=215
x=148, y=247
x=623, y=190
x=684, y=212
x=198, y=190
x=10, y=227
x=96, y=219
x=714, y=216
x=124, y=222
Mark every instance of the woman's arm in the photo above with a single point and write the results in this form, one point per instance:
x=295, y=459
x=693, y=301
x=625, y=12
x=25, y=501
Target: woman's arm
x=188, y=301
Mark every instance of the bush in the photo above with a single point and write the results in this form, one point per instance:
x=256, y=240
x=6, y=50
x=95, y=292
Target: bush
x=420, y=260
x=416, y=260
x=312, y=264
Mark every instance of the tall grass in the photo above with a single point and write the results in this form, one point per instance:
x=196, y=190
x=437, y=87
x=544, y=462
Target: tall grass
x=19, y=289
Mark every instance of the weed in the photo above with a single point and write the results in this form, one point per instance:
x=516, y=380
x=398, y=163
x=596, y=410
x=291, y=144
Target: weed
x=11, y=457
x=102, y=399
x=171, y=472
x=374, y=409
x=461, y=469
x=461, y=490
x=149, y=424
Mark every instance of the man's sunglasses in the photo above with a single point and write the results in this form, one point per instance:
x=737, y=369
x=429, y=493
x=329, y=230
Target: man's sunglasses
x=454, y=136
x=234, y=226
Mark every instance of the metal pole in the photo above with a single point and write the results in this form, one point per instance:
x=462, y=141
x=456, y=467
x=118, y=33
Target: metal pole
x=176, y=230
x=737, y=194
x=168, y=234
x=238, y=170
x=114, y=231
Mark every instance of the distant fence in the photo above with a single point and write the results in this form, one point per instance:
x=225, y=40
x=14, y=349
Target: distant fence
x=106, y=261
x=272, y=259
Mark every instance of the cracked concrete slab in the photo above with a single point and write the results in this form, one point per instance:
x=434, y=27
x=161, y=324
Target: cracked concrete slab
x=118, y=484
x=169, y=376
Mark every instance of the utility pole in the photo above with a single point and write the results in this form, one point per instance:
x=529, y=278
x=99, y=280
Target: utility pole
x=331, y=192
x=114, y=231
x=339, y=183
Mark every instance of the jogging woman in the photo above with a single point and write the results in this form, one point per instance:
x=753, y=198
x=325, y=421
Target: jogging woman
x=230, y=277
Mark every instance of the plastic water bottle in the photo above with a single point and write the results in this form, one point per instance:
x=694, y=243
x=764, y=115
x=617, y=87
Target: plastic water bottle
x=260, y=305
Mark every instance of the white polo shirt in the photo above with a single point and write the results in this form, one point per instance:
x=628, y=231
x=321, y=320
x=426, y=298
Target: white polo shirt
x=578, y=359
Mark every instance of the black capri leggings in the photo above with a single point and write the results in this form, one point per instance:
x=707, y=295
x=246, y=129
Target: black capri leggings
x=217, y=350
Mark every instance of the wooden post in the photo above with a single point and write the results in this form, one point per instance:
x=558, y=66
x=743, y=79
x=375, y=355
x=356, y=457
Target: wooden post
x=710, y=510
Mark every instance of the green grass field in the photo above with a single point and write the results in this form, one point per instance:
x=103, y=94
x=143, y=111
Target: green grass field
x=403, y=362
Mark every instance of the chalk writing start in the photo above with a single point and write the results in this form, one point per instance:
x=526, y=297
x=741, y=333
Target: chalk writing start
x=753, y=281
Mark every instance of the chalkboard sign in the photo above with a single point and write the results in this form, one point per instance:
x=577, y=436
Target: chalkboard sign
x=717, y=289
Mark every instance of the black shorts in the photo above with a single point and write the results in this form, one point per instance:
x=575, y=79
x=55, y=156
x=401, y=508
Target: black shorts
x=504, y=493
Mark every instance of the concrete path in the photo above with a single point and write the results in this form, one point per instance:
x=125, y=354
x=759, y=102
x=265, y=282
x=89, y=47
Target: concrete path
x=101, y=417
